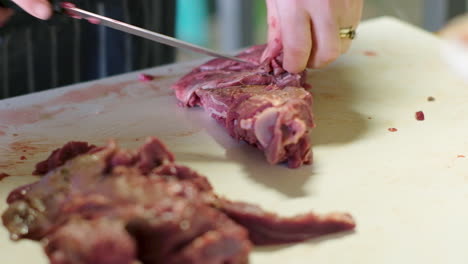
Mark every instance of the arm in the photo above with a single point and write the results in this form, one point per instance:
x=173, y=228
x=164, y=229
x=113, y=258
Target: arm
x=308, y=30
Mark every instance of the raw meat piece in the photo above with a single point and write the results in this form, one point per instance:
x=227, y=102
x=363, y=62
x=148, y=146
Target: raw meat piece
x=275, y=120
x=220, y=73
x=267, y=228
x=260, y=103
x=59, y=156
x=111, y=205
x=420, y=116
x=102, y=241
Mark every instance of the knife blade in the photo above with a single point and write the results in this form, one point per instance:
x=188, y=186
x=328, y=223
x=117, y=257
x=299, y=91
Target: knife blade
x=73, y=11
x=78, y=13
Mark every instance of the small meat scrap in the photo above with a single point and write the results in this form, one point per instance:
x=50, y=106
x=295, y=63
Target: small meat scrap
x=59, y=156
x=258, y=102
x=3, y=175
x=392, y=129
x=112, y=205
x=461, y=156
x=145, y=77
x=420, y=116
x=430, y=99
x=23, y=158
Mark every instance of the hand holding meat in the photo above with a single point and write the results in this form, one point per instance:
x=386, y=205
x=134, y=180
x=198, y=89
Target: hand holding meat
x=308, y=31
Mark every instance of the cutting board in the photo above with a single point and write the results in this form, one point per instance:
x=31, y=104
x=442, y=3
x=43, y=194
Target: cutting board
x=407, y=190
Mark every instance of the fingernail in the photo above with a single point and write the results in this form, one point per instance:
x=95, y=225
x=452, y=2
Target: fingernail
x=42, y=10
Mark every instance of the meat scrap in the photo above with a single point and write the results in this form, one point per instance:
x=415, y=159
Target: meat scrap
x=259, y=103
x=145, y=77
x=59, y=156
x=420, y=116
x=3, y=175
x=112, y=205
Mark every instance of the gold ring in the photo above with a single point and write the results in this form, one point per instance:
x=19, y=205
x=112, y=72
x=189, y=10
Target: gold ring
x=348, y=32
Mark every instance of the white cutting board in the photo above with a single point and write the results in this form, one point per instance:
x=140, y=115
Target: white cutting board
x=407, y=190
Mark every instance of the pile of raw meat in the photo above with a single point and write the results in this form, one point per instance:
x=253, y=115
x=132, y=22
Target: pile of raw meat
x=259, y=103
x=108, y=205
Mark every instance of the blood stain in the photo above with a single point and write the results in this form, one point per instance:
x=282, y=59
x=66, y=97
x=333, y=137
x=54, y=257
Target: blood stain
x=273, y=22
x=26, y=115
x=31, y=147
x=392, y=129
x=370, y=53
x=186, y=134
x=23, y=158
x=91, y=93
x=36, y=113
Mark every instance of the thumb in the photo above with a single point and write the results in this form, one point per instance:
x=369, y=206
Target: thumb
x=274, y=45
x=39, y=8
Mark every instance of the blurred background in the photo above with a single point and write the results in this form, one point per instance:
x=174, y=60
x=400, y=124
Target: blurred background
x=224, y=25
x=229, y=25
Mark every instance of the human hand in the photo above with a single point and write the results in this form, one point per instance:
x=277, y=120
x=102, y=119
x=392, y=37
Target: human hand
x=308, y=31
x=454, y=48
x=39, y=8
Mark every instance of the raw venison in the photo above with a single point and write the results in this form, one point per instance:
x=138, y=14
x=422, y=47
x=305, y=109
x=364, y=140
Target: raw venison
x=259, y=103
x=112, y=205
